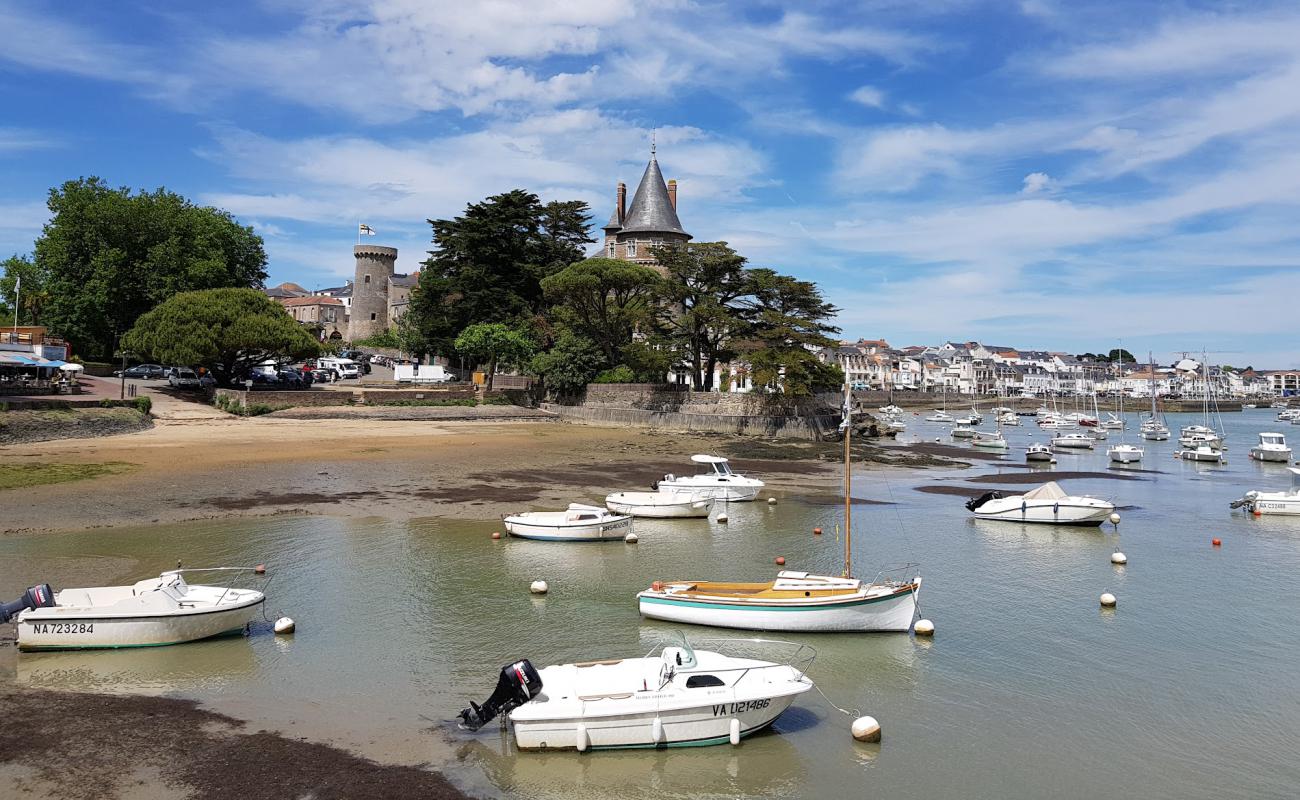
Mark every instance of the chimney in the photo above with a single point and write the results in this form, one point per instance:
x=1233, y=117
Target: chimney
x=672, y=193
x=622, y=201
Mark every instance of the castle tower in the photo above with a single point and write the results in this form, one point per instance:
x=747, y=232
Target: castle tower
x=370, y=290
x=649, y=221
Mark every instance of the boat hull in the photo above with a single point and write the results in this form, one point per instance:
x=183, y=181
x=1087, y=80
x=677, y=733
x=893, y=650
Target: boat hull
x=893, y=612
x=1260, y=454
x=656, y=505
x=1125, y=456
x=589, y=532
x=730, y=493
x=1013, y=509
x=79, y=629
x=693, y=726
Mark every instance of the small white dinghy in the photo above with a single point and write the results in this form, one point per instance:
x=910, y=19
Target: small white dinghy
x=719, y=483
x=659, y=505
x=577, y=523
x=1048, y=504
x=1287, y=502
x=153, y=612
x=1125, y=453
x=675, y=696
x=1076, y=441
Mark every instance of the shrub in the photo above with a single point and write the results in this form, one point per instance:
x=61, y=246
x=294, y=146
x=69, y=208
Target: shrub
x=105, y=402
x=620, y=374
x=144, y=404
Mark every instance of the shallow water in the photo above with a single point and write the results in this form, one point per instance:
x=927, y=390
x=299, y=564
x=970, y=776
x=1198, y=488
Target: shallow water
x=1188, y=689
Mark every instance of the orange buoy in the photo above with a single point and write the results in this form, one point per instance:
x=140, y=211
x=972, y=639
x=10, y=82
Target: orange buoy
x=780, y=561
x=817, y=531
x=260, y=569
x=1258, y=513
x=657, y=586
x=1215, y=542
x=496, y=534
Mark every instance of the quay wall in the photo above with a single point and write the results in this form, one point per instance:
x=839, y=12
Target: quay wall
x=300, y=397
x=676, y=409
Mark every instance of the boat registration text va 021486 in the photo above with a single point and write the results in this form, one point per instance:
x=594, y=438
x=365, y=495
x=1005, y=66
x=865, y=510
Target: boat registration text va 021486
x=727, y=709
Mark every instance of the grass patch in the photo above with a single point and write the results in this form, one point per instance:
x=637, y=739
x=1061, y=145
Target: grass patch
x=17, y=476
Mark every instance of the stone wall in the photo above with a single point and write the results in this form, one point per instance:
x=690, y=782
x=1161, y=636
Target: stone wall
x=302, y=397
x=673, y=408
x=379, y=397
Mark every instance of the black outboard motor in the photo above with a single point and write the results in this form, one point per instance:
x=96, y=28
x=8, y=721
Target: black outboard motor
x=41, y=596
x=976, y=502
x=519, y=683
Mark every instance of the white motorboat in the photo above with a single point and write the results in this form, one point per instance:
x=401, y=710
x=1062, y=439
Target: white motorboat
x=1056, y=423
x=890, y=410
x=1287, y=414
x=719, y=482
x=795, y=601
x=1074, y=441
x=963, y=432
x=1009, y=418
x=676, y=696
x=1271, y=447
x=940, y=416
x=1196, y=435
x=1125, y=453
x=662, y=505
x=152, y=612
x=1287, y=502
x=577, y=523
x=1202, y=452
x=1040, y=453
x=969, y=420
x=1048, y=504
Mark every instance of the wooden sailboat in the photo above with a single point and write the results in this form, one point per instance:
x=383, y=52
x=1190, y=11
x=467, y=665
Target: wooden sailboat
x=794, y=601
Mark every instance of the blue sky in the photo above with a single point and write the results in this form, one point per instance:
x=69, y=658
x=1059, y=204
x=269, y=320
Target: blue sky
x=1049, y=174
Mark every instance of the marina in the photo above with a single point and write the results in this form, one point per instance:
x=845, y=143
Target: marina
x=1168, y=673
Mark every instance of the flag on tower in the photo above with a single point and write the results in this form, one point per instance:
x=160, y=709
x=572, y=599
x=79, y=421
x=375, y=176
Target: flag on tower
x=365, y=230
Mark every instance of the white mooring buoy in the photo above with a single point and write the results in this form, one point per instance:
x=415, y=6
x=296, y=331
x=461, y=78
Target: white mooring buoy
x=1118, y=558
x=285, y=625
x=866, y=729
x=539, y=587
x=1108, y=600
x=923, y=627
x=771, y=501
x=1114, y=518
x=631, y=538
x=722, y=518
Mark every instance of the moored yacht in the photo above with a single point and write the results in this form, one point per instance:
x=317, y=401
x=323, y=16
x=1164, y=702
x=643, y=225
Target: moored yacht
x=1075, y=441
x=1271, y=447
x=1048, y=504
x=719, y=482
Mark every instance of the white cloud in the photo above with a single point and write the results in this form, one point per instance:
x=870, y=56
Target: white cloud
x=869, y=96
x=1038, y=183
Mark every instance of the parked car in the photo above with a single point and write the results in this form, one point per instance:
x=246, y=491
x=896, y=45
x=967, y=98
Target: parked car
x=293, y=379
x=183, y=378
x=143, y=371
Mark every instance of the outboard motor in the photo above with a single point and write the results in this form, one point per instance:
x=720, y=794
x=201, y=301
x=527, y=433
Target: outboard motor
x=41, y=596
x=976, y=502
x=518, y=683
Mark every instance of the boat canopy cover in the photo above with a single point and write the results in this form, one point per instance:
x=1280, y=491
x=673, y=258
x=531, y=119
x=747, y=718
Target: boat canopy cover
x=703, y=459
x=1048, y=491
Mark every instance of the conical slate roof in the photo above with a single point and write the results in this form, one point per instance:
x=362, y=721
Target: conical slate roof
x=613, y=225
x=651, y=210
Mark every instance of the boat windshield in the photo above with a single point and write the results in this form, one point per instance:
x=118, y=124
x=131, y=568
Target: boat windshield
x=722, y=468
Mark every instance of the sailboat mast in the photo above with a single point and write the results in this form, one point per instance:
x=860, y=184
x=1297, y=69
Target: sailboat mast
x=848, y=485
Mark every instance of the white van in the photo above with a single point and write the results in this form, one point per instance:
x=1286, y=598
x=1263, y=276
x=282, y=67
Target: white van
x=341, y=367
x=421, y=373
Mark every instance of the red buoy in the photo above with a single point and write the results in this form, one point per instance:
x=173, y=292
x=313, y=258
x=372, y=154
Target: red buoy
x=817, y=531
x=1215, y=542
x=780, y=561
x=496, y=534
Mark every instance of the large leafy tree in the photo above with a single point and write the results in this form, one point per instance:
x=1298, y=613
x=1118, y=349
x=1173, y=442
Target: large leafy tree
x=494, y=344
x=489, y=263
x=109, y=255
x=706, y=281
x=570, y=364
x=604, y=300
x=32, y=293
x=228, y=331
x=786, y=321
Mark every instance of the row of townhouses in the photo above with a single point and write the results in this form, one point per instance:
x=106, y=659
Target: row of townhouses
x=975, y=368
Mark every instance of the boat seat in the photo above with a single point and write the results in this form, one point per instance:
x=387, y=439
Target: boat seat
x=76, y=598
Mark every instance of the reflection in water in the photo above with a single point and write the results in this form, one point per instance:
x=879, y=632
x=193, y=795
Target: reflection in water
x=399, y=624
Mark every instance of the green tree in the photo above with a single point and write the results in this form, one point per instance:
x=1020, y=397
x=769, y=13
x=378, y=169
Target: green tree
x=785, y=324
x=228, y=331
x=570, y=364
x=496, y=344
x=109, y=256
x=489, y=263
x=33, y=293
x=605, y=300
x=1121, y=355
x=705, y=282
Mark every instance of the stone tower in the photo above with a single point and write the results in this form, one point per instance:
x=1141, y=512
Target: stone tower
x=650, y=220
x=370, y=290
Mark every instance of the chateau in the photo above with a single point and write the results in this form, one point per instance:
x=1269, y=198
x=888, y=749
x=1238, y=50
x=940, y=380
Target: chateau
x=651, y=219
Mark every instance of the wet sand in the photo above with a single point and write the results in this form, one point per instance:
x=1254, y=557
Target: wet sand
x=89, y=746
x=221, y=468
